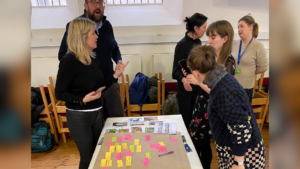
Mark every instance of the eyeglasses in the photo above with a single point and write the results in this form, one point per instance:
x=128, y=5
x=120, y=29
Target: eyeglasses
x=94, y=3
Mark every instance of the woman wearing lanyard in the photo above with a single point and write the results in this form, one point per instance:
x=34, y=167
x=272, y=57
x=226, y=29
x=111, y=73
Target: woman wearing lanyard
x=187, y=93
x=250, y=54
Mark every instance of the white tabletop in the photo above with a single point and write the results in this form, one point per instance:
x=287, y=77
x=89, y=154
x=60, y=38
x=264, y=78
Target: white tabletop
x=192, y=156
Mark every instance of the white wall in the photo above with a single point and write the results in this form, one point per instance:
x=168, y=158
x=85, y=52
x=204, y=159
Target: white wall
x=53, y=16
x=148, y=40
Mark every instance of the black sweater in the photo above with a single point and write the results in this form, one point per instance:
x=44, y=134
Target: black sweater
x=107, y=47
x=75, y=80
x=182, y=51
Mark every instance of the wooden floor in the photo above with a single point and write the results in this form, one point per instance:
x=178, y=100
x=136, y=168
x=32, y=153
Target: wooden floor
x=66, y=156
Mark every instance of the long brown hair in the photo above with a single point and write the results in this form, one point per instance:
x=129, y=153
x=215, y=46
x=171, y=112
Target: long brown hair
x=222, y=28
x=202, y=58
x=250, y=21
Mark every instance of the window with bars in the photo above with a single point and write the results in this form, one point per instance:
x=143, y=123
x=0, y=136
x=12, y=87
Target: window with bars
x=48, y=2
x=130, y=2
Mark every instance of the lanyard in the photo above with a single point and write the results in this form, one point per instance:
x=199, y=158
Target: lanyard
x=240, y=55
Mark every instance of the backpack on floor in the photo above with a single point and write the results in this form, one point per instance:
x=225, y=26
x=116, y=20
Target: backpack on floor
x=41, y=138
x=138, y=90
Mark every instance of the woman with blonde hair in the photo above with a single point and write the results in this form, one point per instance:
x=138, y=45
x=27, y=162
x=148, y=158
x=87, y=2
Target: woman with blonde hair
x=233, y=124
x=79, y=76
x=250, y=54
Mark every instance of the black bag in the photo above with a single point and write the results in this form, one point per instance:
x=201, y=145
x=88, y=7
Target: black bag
x=41, y=138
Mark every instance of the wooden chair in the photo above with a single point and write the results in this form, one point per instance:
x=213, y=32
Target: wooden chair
x=148, y=109
x=59, y=109
x=47, y=115
x=260, y=101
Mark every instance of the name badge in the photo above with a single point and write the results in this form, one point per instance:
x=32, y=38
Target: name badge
x=238, y=71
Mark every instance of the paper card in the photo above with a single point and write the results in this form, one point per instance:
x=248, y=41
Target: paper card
x=172, y=128
x=112, y=149
x=124, y=145
x=138, y=148
x=131, y=147
x=162, y=149
x=118, y=148
x=110, y=143
x=128, y=161
x=161, y=143
x=128, y=152
x=165, y=128
x=109, y=163
x=146, y=161
x=147, y=137
x=148, y=155
x=120, y=139
x=108, y=155
x=120, y=163
x=103, y=163
x=119, y=156
x=173, y=140
x=156, y=127
x=114, y=139
x=136, y=141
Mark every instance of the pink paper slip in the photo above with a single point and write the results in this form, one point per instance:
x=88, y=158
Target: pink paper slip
x=146, y=161
x=173, y=140
x=128, y=152
x=162, y=149
x=147, y=137
x=126, y=136
x=119, y=156
x=120, y=139
x=110, y=143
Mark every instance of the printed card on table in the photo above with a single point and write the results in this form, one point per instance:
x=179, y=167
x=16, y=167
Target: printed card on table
x=172, y=128
x=165, y=128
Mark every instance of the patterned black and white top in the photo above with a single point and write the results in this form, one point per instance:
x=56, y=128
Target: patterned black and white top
x=232, y=121
x=200, y=125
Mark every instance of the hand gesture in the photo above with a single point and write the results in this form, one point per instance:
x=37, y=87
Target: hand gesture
x=120, y=69
x=191, y=79
x=91, y=96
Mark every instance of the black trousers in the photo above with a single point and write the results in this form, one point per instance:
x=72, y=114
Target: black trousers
x=204, y=151
x=112, y=105
x=85, y=128
x=186, y=102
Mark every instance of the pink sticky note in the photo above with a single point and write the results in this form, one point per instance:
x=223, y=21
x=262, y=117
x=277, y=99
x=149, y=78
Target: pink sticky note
x=104, y=168
x=162, y=149
x=110, y=143
x=119, y=156
x=156, y=145
x=173, y=140
x=126, y=136
x=129, y=137
x=120, y=139
x=146, y=161
x=128, y=152
x=152, y=145
x=147, y=137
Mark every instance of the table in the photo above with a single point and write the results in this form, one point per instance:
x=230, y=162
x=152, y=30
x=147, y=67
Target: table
x=180, y=126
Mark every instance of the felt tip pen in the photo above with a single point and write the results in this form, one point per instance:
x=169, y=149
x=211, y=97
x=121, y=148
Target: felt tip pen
x=166, y=153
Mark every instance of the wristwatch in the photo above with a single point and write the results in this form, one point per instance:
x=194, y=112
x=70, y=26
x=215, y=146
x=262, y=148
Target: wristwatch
x=238, y=162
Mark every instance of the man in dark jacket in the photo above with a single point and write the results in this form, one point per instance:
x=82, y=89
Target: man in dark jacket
x=107, y=49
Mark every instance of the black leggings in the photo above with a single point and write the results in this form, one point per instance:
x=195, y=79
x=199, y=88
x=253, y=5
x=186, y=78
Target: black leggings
x=85, y=128
x=204, y=151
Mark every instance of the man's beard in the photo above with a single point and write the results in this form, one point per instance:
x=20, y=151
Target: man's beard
x=91, y=16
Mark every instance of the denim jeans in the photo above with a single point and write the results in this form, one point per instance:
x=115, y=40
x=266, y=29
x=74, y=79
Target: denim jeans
x=85, y=128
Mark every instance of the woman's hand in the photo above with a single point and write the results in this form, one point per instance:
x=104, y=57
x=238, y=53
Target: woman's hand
x=186, y=85
x=120, y=67
x=191, y=79
x=91, y=96
x=184, y=72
